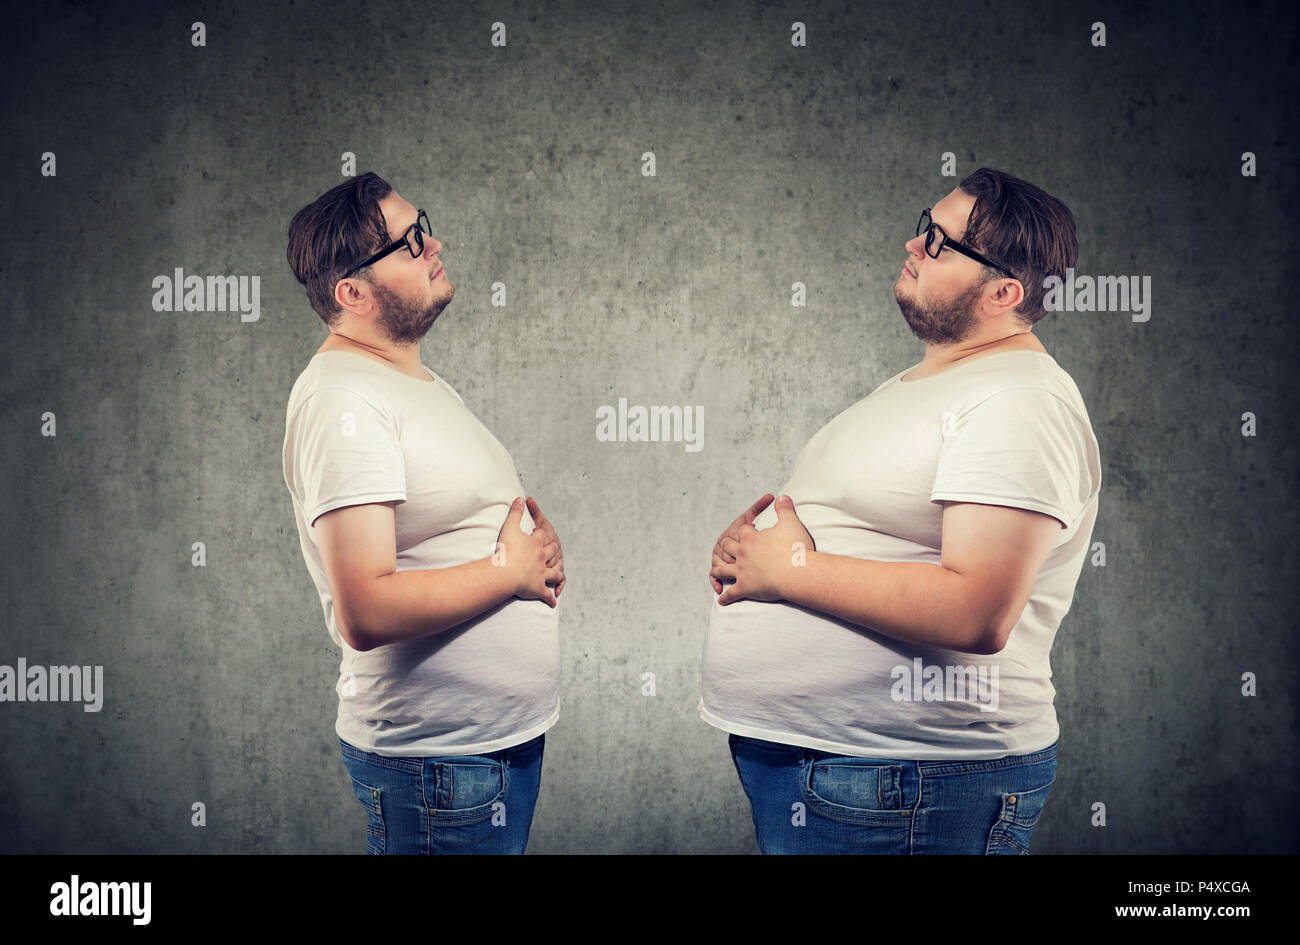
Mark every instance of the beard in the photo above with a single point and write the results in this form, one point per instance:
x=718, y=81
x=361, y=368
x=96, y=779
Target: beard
x=941, y=323
x=402, y=321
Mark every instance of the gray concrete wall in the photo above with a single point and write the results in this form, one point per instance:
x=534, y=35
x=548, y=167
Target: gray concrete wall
x=774, y=164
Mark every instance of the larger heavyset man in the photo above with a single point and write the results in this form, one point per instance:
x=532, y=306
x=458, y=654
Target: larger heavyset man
x=880, y=659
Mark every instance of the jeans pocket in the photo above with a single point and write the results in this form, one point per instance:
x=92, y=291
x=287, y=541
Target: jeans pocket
x=854, y=793
x=468, y=792
x=1019, y=815
x=370, y=798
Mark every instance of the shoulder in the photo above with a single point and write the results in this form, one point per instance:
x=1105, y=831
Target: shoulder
x=327, y=383
x=1035, y=377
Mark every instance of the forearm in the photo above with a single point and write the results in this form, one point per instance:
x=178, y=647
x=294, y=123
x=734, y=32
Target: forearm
x=915, y=602
x=409, y=604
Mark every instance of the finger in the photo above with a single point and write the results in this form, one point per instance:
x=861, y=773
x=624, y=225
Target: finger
x=727, y=596
x=539, y=519
x=758, y=507
x=733, y=546
x=544, y=594
x=516, y=513
x=736, y=532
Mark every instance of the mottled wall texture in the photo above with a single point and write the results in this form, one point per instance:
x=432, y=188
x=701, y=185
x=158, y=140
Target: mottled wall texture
x=130, y=152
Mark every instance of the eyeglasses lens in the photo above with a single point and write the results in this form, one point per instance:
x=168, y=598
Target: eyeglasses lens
x=415, y=235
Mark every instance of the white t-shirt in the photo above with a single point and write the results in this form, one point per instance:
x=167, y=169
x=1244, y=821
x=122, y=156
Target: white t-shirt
x=358, y=431
x=1008, y=428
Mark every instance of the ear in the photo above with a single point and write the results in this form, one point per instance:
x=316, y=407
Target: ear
x=1009, y=294
x=345, y=294
x=353, y=295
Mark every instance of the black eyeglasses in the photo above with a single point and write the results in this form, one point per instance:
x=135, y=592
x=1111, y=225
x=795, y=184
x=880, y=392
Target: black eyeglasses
x=934, y=245
x=412, y=239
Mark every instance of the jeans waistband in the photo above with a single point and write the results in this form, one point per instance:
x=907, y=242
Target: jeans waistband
x=935, y=766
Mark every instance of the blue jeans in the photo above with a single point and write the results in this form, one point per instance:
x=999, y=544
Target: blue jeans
x=447, y=804
x=808, y=801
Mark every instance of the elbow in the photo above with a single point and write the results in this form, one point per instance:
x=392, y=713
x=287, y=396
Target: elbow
x=354, y=613
x=993, y=627
x=1002, y=622
x=351, y=629
x=352, y=635
x=992, y=639
x=358, y=641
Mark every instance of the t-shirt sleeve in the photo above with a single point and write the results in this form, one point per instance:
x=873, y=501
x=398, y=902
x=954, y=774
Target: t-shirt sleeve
x=1023, y=447
x=344, y=452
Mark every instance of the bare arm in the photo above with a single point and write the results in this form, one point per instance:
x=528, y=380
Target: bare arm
x=990, y=559
x=375, y=604
x=991, y=556
x=911, y=601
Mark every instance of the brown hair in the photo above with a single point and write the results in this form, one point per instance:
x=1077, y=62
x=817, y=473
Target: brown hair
x=1025, y=229
x=327, y=237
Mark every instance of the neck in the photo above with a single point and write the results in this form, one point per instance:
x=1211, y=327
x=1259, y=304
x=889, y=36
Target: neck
x=402, y=357
x=940, y=356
